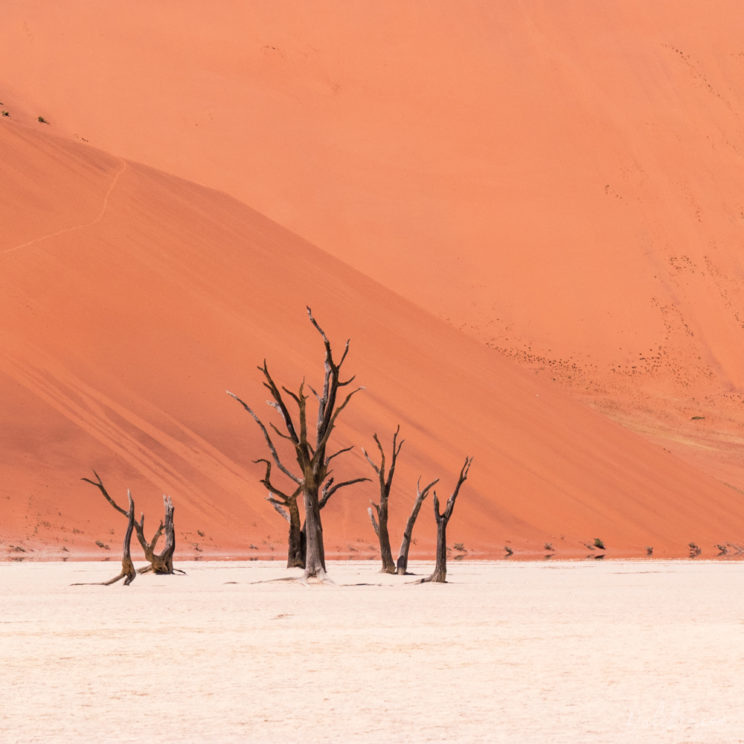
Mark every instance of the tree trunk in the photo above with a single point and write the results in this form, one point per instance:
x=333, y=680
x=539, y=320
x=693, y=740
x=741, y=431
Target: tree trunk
x=296, y=542
x=386, y=553
x=405, y=546
x=314, y=551
x=440, y=569
x=166, y=557
x=128, y=572
x=383, y=536
x=162, y=563
x=402, y=564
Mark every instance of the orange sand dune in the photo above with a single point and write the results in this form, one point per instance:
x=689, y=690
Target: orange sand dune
x=563, y=180
x=131, y=306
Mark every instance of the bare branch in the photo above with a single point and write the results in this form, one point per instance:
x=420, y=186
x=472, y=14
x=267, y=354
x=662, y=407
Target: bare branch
x=156, y=536
x=462, y=478
x=373, y=520
x=340, y=452
x=268, y=439
x=381, y=471
x=372, y=463
x=277, y=396
x=276, y=429
x=98, y=483
x=319, y=329
x=343, y=358
x=279, y=508
x=327, y=432
x=397, y=446
x=330, y=488
x=266, y=480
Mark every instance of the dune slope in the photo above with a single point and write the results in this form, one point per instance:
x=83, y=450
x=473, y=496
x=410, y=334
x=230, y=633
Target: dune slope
x=561, y=180
x=132, y=305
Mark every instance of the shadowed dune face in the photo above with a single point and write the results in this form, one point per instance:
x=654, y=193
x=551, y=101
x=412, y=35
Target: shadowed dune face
x=560, y=180
x=132, y=305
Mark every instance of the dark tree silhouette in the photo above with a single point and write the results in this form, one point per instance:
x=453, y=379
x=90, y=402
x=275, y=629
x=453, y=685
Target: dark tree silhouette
x=312, y=477
x=385, y=479
x=440, y=569
x=402, y=563
x=160, y=563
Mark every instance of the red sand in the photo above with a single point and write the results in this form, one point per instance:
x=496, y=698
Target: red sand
x=560, y=181
x=127, y=318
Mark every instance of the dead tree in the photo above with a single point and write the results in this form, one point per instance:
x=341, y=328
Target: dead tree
x=440, y=569
x=380, y=524
x=160, y=563
x=402, y=564
x=312, y=476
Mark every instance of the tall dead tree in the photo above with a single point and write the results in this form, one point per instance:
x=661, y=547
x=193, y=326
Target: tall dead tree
x=160, y=563
x=402, y=563
x=385, y=479
x=440, y=569
x=312, y=476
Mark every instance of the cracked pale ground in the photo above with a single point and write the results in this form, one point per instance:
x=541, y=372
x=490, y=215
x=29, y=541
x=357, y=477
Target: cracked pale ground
x=506, y=652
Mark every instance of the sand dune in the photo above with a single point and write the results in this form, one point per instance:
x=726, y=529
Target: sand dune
x=562, y=181
x=140, y=298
